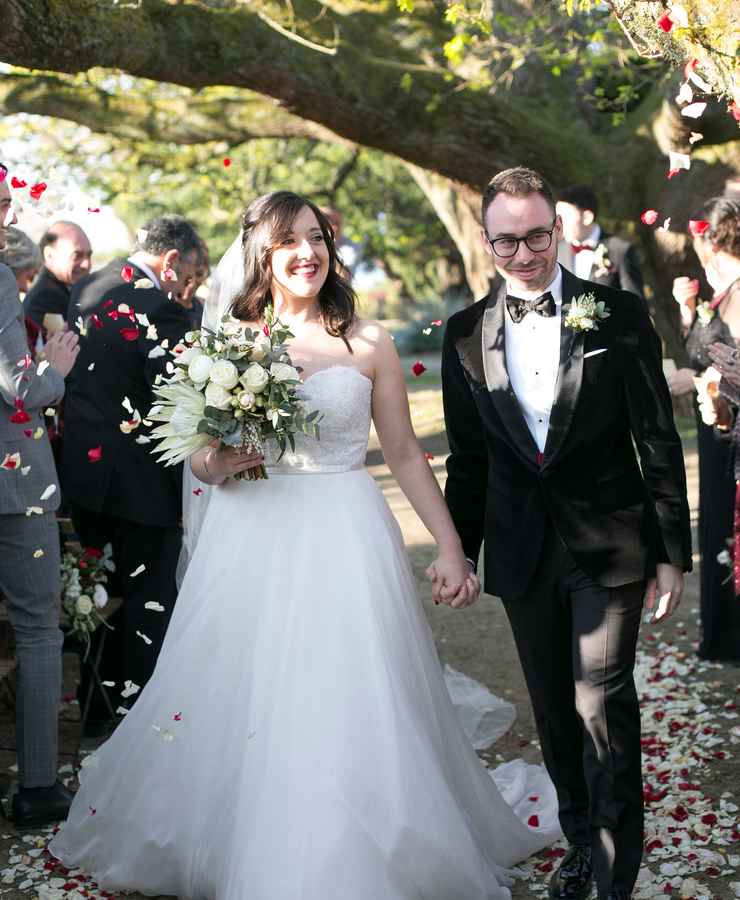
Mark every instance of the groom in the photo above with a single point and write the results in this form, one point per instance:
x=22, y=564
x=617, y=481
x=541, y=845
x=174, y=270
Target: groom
x=544, y=409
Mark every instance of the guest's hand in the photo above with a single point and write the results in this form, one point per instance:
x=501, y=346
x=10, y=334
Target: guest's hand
x=681, y=382
x=686, y=291
x=726, y=360
x=61, y=350
x=664, y=592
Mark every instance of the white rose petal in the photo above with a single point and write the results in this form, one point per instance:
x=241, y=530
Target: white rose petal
x=138, y=570
x=694, y=110
x=126, y=404
x=246, y=399
x=129, y=689
x=147, y=640
x=261, y=347
x=48, y=492
x=155, y=353
x=217, y=396
x=42, y=367
x=37, y=554
x=154, y=606
x=225, y=374
x=122, y=711
x=34, y=511
x=679, y=160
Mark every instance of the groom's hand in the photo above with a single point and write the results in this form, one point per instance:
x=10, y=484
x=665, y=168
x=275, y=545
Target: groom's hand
x=664, y=592
x=453, y=585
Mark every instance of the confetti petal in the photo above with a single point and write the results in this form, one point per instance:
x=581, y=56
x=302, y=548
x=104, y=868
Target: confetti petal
x=11, y=461
x=37, y=554
x=48, y=492
x=127, y=273
x=694, y=110
x=18, y=183
x=37, y=190
x=698, y=227
x=147, y=640
x=665, y=23
x=418, y=368
x=138, y=570
x=649, y=216
x=95, y=454
x=154, y=606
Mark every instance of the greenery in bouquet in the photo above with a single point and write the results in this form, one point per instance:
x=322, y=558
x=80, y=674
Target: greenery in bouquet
x=236, y=385
x=84, y=572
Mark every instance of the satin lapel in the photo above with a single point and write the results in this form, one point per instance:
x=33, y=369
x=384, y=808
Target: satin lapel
x=570, y=373
x=497, y=377
x=470, y=350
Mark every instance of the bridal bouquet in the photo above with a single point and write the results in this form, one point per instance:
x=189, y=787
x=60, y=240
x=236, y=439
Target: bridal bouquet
x=84, y=572
x=236, y=385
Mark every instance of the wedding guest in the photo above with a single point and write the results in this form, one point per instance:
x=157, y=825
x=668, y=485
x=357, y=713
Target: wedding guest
x=23, y=257
x=712, y=321
x=116, y=490
x=29, y=547
x=67, y=255
x=588, y=251
x=189, y=297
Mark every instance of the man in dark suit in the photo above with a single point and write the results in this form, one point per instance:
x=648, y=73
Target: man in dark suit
x=66, y=253
x=545, y=391
x=589, y=252
x=116, y=490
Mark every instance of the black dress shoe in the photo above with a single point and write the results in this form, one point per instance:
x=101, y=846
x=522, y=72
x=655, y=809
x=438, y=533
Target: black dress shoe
x=41, y=806
x=573, y=878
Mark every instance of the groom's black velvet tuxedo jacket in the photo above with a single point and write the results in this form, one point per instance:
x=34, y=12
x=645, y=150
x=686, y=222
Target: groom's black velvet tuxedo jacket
x=616, y=521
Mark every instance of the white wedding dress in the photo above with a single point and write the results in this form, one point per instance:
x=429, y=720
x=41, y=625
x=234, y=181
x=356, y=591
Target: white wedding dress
x=297, y=741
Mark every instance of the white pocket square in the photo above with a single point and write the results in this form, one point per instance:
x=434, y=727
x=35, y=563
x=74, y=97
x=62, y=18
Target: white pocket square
x=595, y=352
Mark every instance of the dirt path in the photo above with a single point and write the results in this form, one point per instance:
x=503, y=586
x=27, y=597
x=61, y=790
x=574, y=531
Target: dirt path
x=689, y=721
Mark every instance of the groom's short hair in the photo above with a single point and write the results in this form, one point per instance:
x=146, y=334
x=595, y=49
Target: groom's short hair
x=581, y=195
x=516, y=182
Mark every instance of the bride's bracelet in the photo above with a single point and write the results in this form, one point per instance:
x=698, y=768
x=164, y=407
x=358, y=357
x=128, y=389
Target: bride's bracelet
x=208, y=453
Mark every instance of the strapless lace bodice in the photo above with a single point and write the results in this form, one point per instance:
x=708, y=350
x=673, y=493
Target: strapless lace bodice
x=343, y=396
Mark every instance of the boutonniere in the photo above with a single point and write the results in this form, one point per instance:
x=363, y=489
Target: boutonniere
x=143, y=283
x=705, y=313
x=602, y=264
x=585, y=312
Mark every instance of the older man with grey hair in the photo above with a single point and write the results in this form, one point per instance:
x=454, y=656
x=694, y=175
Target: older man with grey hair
x=29, y=543
x=22, y=256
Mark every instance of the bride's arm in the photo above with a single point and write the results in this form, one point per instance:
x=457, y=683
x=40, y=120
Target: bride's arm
x=411, y=470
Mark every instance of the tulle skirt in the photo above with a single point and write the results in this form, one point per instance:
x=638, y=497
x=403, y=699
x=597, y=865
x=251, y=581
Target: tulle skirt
x=297, y=741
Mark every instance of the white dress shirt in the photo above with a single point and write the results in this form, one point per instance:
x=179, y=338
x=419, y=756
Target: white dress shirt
x=533, y=357
x=584, y=260
x=146, y=270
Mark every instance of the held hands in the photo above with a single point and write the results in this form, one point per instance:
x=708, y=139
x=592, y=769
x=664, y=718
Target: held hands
x=686, y=292
x=61, y=350
x=453, y=581
x=664, y=592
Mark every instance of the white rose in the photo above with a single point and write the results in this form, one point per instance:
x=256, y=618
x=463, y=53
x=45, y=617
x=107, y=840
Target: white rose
x=230, y=327
x=255, y=378
x=225, y=374
x=84, y=605
x=100, y=596
x=282, y=372
x=200, y=368
x=217, y=396
x=246, y=399
x=724, y=558
x=261, y=348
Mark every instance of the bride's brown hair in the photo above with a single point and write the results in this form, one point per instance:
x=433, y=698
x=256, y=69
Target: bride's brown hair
x=267, y=222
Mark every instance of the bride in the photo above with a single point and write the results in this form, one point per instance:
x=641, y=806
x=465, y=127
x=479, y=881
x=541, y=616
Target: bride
x=297, y=741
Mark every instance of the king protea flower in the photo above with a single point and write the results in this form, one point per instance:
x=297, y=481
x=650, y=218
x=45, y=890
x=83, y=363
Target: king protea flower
x=180, y=410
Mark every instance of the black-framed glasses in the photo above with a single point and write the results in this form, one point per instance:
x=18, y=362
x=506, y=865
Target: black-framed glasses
x=536, y=241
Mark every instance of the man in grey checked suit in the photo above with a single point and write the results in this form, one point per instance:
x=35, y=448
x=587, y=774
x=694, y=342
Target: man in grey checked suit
x=29, y=543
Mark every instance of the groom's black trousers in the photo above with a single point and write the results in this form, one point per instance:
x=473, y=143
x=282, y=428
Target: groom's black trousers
x=576, y=642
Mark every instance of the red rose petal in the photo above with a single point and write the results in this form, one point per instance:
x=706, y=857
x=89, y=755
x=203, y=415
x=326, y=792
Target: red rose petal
x=649, y=217
x=533, y=821
x=130, y=334
x=533, y=799
x=734, y=110
x=177, y=717
x=17, y=183
x=37, y=190
x=20, y=417
x=436, y=322
x=227, y=162
x=698, y=227
x=690, y=67
x=93, y=209
x=95, y=454
x=198, y=492
x=545, y=867
x=418, y=368
x=429, y=456
x=127, y=273
x=671, y=173
x=27, y=432
x=266, y=330
x=95, y=319
x=665, y=23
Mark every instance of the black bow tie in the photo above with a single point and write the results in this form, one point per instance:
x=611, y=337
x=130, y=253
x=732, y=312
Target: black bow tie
x=544, y=305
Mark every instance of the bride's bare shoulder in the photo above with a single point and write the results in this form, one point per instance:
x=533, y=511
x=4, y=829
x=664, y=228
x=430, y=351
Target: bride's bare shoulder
x=369, y=333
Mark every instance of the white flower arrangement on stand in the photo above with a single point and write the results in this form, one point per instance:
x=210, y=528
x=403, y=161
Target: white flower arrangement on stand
x=84, y=574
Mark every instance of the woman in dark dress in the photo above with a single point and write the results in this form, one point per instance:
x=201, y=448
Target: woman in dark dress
x=717, y=320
